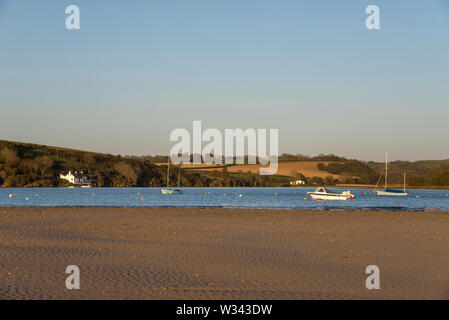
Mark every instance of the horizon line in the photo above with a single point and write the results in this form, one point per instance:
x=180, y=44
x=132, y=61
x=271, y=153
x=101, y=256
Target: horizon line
x=246, y=155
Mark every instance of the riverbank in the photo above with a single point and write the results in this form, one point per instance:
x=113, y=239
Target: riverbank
x=173, y=253
x=393, y=186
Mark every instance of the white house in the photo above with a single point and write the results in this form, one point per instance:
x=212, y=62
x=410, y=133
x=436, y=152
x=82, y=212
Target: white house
x=297, y=182
x=77, y=179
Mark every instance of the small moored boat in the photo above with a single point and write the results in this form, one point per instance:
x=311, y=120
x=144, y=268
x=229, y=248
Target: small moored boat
x=322, y=193
x=390, y=192
x=169, y=190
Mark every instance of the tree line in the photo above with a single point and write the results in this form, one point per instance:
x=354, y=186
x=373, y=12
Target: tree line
x=30, y=165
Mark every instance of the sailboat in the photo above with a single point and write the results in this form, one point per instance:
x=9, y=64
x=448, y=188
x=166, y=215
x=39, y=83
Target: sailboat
x=169, y=190
x=390, y=192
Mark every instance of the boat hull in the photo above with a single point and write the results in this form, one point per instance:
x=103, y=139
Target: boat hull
x=333, y=197
x=171, y=191
x=391, y=193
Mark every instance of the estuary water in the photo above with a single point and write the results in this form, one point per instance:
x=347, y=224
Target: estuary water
x=258, y=198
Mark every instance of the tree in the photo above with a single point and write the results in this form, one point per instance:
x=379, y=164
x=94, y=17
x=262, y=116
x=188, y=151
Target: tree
x=316, y=180
x=28, y=166
x=127, y=172
x=45, y=164
x=329, y=180
x=8, y=155
x=89, y=159
x=225, y=172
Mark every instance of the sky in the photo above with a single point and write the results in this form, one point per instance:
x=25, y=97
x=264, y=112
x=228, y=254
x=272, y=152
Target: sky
x=136, y=70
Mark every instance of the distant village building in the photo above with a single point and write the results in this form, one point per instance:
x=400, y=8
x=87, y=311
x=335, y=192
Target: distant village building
x=297, y=182
x=76, y=178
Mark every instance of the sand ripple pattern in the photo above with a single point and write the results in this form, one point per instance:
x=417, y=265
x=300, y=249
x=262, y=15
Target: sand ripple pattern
x=151, y=253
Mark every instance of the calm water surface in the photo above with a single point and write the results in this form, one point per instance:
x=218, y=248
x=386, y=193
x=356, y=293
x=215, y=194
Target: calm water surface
x=286, y=198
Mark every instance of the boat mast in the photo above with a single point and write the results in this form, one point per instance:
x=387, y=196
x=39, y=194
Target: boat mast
x=404, y=181
x=168, y=170
x=386, y=169
x=179, y=177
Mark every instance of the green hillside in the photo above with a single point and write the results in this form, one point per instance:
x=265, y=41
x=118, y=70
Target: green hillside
x=418, y=173
x=33, y=165
x=361, y=172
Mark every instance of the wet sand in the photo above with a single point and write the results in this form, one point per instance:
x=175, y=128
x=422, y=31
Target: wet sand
x=152, y=253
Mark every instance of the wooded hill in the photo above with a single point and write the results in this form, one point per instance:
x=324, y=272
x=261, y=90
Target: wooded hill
x=418, y=173
x=33, y=165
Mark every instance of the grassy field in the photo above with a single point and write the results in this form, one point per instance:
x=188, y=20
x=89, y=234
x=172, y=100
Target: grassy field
x=288, y=168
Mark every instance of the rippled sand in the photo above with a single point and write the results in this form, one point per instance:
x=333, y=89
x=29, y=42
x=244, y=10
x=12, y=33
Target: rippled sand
x=150, y=253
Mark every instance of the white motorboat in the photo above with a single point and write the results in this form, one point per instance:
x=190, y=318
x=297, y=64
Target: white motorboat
x=322, y=193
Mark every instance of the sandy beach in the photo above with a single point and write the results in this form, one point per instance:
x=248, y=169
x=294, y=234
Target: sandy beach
x=153, y=253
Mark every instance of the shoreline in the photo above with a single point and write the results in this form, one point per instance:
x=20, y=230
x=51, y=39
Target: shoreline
x=272, y=187
x=333, y=209
x=185, y=253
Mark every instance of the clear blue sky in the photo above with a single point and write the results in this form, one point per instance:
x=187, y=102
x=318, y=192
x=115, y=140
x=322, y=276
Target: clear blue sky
x=138, y=69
